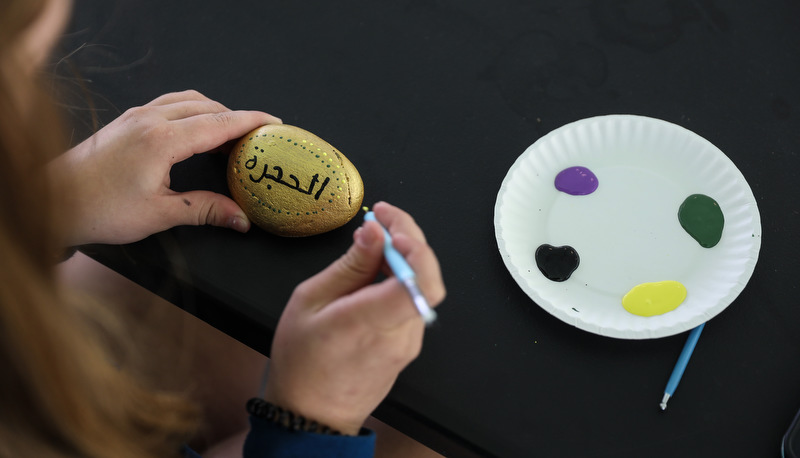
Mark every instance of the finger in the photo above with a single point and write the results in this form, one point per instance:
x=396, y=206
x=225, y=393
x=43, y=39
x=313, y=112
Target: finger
x=228, y=145
x=396, y=220
x=196, y=208
x=409, y=239
x=388, y=304
x=385, y=306
x=188, y=108
x=180, y=105
x=206, y=132
x=423, y=261
x=356, y=269
x=174, y=97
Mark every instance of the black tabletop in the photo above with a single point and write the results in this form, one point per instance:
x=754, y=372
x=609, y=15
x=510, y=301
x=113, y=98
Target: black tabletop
x=433, y=101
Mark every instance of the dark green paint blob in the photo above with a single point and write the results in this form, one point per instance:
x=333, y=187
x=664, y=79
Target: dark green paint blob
x=702, y=218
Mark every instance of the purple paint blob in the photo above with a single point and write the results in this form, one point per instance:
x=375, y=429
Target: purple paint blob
x=577, y=181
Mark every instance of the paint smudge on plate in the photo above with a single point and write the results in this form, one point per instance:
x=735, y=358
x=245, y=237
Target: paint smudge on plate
x=576, y=181
x=557, y=263
x=657, y=298
x=701, y=217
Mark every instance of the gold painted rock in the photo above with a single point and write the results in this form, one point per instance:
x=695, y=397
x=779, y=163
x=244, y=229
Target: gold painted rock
x=292, y=183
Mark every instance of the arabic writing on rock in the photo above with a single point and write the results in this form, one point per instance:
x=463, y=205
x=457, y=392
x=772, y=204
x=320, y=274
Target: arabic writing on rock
x=292, y=183
x=277, y=177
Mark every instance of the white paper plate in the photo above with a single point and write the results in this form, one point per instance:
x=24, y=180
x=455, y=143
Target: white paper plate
x=627, y=232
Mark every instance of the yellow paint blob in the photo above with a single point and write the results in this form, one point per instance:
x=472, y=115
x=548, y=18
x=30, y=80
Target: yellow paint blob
x=650, y=299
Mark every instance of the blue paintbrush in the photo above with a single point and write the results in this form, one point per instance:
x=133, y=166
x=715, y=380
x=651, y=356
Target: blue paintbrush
x=404, y=273
x=680, y=366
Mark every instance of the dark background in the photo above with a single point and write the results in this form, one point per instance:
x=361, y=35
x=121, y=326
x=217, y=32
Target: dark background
x=433, y=101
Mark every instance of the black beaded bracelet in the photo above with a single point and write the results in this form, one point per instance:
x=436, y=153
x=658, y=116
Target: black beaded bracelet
x=260, y=408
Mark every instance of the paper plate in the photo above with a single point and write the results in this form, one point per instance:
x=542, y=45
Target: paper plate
x=627, y=232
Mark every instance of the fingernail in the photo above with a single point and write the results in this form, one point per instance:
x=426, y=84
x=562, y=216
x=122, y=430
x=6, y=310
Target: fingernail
x=238, y=223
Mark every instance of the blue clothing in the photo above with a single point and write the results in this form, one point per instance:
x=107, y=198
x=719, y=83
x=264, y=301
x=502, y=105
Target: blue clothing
x=269, y=440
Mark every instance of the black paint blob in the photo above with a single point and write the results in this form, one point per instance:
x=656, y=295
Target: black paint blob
x=557, y=263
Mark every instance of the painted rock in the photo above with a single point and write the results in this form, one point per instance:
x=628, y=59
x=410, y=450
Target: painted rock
x=292, y=183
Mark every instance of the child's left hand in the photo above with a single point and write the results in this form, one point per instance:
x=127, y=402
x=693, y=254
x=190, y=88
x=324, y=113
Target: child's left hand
x=115, y=185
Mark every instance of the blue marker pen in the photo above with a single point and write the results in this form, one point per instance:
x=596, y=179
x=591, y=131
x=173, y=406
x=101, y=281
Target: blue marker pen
x=404, y=273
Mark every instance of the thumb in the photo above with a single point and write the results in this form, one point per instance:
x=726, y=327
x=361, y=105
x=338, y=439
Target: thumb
x=197, y=208
x=357, y=268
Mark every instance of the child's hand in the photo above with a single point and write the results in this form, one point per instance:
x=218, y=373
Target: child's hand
x=342, y=339
x=115, y=185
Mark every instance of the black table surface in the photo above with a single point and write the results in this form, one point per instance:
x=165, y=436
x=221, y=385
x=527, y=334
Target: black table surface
x=434, y=100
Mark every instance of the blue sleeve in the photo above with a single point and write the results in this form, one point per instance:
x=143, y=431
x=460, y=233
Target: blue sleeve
x=269, y=440
x=186, y=452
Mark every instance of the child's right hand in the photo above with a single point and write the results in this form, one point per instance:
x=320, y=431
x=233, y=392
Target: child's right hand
x=342, y=339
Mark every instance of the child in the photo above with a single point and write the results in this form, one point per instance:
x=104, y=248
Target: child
x=62, y=389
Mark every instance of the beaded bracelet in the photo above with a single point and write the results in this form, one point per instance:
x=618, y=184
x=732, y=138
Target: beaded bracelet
x=260, y=408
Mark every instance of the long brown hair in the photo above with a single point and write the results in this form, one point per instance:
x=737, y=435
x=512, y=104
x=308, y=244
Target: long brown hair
x=62, y=392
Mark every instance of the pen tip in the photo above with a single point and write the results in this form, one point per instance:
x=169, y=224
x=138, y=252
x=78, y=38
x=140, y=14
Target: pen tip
x=429, y=316
x=664, y=401
x=365, y=208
